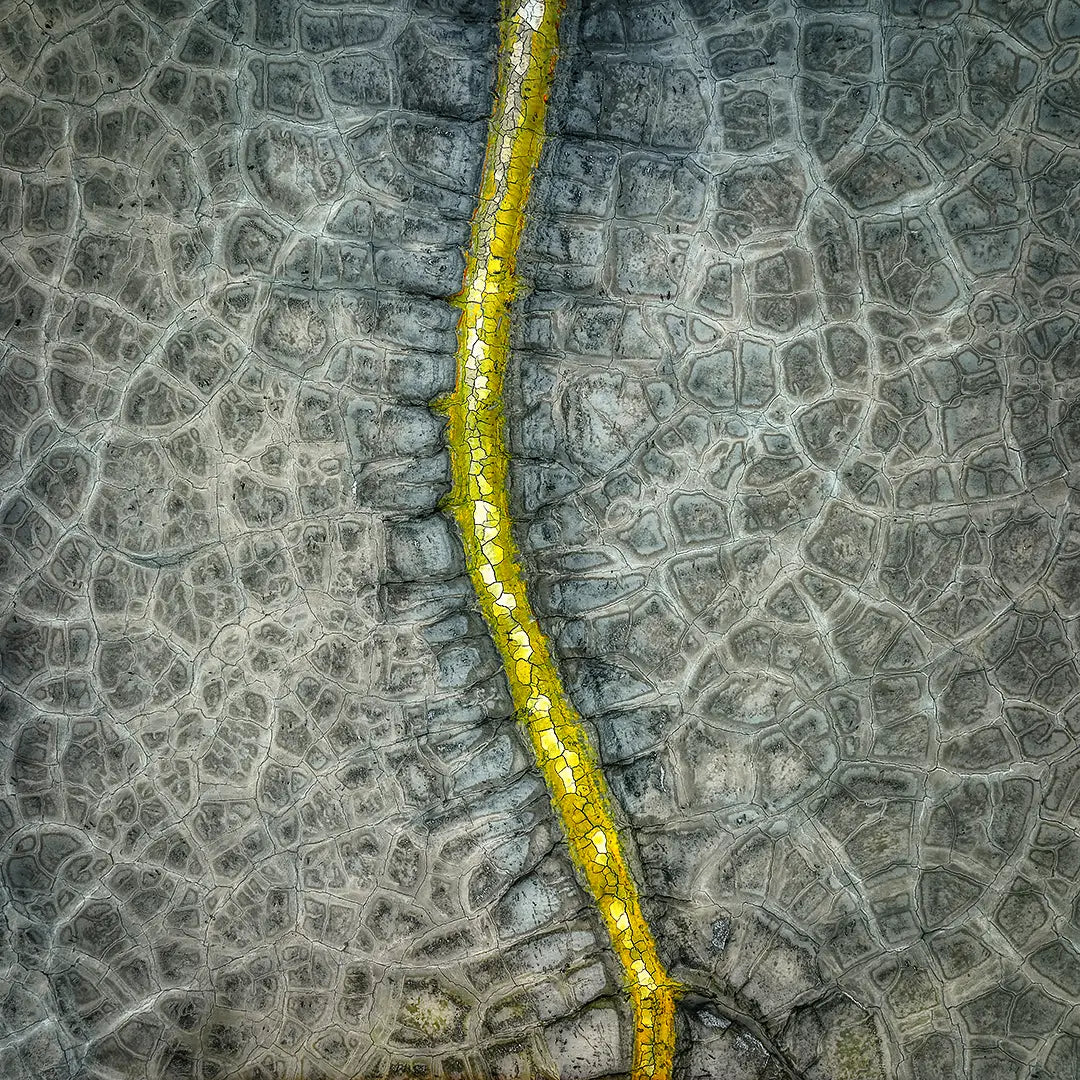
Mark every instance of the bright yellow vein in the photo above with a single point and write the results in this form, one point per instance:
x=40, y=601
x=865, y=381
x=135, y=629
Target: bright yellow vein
x=479, y=502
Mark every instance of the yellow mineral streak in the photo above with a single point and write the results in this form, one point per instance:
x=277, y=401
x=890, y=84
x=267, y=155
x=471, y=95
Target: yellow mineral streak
x=479, y=502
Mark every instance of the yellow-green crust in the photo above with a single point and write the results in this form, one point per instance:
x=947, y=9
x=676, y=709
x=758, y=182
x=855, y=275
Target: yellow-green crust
x=479, y=503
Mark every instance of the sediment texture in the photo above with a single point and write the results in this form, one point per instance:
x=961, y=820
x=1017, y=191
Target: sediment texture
x=794, y=416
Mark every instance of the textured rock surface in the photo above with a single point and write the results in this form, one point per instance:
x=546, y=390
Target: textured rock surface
x=796, y=421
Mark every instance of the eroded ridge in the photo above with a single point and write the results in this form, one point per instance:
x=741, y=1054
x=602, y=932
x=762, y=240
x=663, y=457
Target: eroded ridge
x=479, y=502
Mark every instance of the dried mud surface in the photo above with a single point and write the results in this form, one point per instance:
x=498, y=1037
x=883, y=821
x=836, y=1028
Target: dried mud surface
x=796, y=424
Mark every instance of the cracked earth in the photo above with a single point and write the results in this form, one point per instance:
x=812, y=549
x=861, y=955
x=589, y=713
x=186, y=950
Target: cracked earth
x=794, y=423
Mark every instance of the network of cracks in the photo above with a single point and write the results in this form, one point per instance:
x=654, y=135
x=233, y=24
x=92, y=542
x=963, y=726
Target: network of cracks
x=794, y=419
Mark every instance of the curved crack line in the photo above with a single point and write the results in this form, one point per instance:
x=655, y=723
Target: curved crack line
x=479, y=503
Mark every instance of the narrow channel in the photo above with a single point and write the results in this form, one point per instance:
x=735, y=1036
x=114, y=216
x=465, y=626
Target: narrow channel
x=479, y=502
